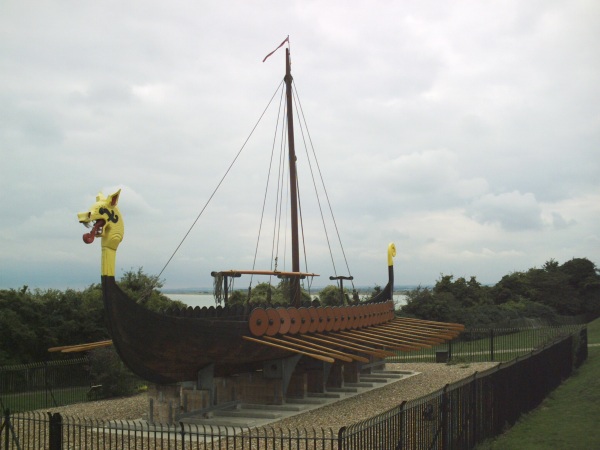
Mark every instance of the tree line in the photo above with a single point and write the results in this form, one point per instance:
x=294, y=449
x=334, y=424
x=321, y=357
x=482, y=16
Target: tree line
x=548, y=294
x=33, y=321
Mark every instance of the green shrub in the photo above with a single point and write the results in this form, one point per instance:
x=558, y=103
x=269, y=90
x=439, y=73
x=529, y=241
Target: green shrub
x=108, y=371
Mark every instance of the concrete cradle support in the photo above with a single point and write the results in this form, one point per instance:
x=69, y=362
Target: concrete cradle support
x=281, y=369
x=206, y=382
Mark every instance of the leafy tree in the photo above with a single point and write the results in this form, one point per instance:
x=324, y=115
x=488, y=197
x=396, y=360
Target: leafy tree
x=330, y=296
x=266, y=294
x=426, y=304
x=145, y=289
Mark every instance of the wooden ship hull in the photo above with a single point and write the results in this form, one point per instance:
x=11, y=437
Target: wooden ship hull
x=174, y=346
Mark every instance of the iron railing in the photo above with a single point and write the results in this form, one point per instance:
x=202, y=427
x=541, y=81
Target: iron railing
x=489, y=344
x=27, y=387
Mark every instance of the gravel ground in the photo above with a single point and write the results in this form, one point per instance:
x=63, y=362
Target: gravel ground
x=431, y=378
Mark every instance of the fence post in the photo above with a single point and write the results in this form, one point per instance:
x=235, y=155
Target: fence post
x=341, y=432
x=445, y=428
x=400, y=443
x=450, y=350
x=182, y=426
x=474, y=412
x=491, y=344
x=6, y=427
x=55, y=431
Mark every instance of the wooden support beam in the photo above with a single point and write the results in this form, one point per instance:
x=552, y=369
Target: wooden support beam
x=231, y=273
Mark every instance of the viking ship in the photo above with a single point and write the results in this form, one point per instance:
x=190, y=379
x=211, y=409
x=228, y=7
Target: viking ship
x=176, y=345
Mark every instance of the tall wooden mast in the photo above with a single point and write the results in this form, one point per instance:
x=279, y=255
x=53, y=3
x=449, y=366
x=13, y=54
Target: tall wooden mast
x=294, y=281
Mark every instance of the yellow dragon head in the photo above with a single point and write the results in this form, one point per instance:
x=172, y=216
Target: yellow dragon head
x=106, y=222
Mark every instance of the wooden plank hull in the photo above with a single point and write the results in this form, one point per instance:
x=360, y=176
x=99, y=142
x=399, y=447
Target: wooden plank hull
x=176, y=346
x=166, y=349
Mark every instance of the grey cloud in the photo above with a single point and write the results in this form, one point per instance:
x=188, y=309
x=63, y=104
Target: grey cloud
x=513, y=211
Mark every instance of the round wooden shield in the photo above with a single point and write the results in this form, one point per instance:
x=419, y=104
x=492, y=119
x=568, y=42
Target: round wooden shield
x=330, y=318
x=384, y=312
x=380, y=313
x=258, y=322
x=374, y=314
x=304, y=320
x=343, y=317
x=364, y=312
x=370, y=315
x=314, y=319
x=360, y=313
x=322, y=319
x=274, y=322
x=337, y=318
x=295, y=323
x=284, y=320
x=350, y=317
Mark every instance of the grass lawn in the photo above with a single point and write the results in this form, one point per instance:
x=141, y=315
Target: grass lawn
x=28, y=401
x=568, y=418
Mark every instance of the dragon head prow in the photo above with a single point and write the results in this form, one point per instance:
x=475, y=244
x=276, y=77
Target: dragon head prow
x=105, y=219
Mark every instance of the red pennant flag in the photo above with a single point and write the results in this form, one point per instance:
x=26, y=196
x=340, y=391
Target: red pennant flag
x=287, y=39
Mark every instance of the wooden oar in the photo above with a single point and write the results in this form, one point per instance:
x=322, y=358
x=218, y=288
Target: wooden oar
x=350, y=345
x=430, y=323
x=289, y=349
x=321, y=347
x=407, y=337
x=424, y=327
x=362, y=339
x=420, y=331
x=330, y=354
x=391, y=340
x=80, y=347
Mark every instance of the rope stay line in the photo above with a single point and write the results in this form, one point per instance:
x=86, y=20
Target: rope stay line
x=297, y=96
x=315, y=187
x=262, y=214
x=218, y=185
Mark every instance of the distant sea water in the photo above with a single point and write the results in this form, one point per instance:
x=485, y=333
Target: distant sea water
x=208, y=300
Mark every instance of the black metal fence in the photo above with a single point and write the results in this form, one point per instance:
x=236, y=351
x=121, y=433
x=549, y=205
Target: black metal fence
x=43, y=385
x=454, y=418
x=466, y=413
x=490, y=344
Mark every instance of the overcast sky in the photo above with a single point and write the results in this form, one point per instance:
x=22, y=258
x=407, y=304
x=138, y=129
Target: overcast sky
x=466, y=132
